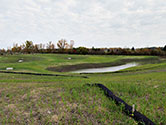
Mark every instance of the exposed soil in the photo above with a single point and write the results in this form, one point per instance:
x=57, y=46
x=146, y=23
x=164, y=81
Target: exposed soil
x=67, y=68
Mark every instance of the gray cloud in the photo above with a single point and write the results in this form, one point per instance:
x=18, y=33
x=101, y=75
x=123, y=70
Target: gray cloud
x=99, y=23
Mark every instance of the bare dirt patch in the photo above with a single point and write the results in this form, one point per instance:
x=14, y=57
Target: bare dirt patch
x=67, y=68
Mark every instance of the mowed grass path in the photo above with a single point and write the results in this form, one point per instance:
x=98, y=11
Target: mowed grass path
x=26, y=99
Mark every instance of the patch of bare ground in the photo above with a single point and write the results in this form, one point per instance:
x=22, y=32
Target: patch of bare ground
x=68, y=68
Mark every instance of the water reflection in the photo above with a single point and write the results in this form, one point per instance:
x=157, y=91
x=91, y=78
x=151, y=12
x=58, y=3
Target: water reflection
x=106, y=69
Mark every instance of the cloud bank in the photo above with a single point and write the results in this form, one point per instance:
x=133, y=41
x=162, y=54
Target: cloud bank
x=98, y=23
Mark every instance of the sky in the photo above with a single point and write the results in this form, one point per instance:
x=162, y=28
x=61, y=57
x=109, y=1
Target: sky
x=97, y=23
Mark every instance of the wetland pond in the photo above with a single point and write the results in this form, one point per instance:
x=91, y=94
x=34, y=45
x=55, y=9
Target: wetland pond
x=106, y=69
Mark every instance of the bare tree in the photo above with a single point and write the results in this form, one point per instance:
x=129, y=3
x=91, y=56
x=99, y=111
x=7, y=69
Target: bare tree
x=50, y=47
x=62, y=44
x=29, y=47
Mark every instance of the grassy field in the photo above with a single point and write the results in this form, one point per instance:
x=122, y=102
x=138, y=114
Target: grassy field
x=28, y=99
x=40, y=62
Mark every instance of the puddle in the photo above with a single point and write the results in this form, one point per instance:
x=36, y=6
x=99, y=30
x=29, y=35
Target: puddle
x=106, y=69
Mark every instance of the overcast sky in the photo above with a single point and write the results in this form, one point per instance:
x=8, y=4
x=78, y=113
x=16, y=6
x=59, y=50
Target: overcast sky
x=98, y=23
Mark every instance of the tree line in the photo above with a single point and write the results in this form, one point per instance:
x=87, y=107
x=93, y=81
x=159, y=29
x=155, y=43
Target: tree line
x=63, y=46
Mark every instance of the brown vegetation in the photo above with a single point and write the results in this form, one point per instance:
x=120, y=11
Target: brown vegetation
x=65, y=47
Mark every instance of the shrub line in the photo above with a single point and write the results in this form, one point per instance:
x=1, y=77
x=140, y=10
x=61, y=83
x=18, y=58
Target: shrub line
x=142, y=119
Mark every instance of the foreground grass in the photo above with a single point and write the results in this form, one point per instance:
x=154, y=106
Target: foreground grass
x=26, y=99
x=35, y=100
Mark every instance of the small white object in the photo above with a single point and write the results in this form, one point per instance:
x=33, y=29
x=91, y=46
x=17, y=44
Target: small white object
x=69, y=58
x=20, y=61
x=9, y=68
x=156, y=86
x=133, y=108
x=49, y=112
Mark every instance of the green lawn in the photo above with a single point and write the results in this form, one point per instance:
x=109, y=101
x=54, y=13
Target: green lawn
x=26, y=99
x=39, y=62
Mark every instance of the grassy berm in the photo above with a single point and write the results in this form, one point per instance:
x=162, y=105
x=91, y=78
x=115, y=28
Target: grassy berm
x=29, y=99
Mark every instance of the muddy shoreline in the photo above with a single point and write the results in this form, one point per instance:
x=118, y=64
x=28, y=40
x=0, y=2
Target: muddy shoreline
x=68, y=68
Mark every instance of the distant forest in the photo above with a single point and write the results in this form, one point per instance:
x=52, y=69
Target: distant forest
x=63, y=47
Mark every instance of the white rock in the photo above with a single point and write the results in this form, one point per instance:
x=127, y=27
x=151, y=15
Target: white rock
x=69, y=58
x=49, y=112
x=9, y=68
x=20, y=61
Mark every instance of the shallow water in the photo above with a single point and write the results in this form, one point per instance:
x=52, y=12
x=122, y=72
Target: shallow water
x=106, y=69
